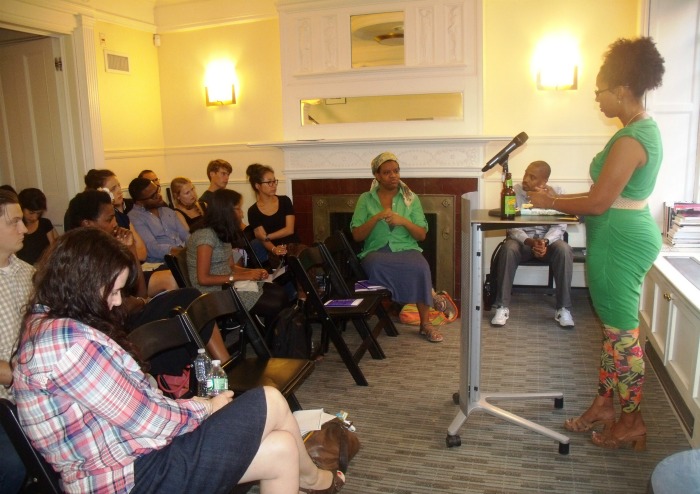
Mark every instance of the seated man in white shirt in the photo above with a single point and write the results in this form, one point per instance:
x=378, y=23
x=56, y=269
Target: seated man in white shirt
x=545, y=243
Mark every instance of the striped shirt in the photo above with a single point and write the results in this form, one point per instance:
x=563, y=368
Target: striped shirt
x=88, y=408
x=15, y=287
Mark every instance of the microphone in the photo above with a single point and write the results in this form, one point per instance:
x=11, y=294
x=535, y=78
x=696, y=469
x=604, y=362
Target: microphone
x=502, y=155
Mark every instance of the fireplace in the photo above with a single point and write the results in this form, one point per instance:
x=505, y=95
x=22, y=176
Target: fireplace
x=322, y=206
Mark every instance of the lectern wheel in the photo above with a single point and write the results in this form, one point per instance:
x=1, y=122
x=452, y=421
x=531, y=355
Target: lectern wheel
x=559, y=402
x=453, y=441
x=563, y=448
x=455, y=398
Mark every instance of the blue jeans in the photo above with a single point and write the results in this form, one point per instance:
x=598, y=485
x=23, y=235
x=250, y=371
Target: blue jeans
x=12, y=470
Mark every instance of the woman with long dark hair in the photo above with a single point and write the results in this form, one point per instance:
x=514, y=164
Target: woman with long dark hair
x=211, y=263
x=91, y=412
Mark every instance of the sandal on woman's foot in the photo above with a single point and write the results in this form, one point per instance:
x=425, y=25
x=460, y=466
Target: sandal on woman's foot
x=634, y=440
x=431, y=333
x=578, y=424
x=337, y=484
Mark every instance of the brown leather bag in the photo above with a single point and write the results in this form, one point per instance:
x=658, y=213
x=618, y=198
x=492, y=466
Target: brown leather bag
x=332, y=447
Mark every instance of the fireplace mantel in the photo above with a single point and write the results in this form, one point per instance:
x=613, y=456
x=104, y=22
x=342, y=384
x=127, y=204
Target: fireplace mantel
x=438, y=156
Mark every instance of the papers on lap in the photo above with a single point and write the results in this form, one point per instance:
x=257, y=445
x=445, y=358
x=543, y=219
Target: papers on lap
x=366, y=286
x=276, y=273
x=343, y=302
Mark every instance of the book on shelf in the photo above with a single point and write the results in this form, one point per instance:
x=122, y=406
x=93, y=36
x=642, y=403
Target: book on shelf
x=686, y=211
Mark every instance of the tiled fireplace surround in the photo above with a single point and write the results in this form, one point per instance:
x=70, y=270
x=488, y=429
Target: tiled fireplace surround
x=303, y=191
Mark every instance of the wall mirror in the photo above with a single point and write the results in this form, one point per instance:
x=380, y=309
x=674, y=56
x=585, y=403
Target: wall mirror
x=391, y=108
x=377, y=39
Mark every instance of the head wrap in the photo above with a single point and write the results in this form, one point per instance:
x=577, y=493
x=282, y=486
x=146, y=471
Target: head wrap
x=378, y=161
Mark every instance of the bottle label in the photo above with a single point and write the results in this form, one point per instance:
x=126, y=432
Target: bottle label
x=219, y=385
x=509, y=205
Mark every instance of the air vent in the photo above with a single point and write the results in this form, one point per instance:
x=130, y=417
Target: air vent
x=116, y=62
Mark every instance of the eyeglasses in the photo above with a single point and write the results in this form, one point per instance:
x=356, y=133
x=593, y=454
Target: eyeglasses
x=598, y=92
x=271, y=182
x=152, y=196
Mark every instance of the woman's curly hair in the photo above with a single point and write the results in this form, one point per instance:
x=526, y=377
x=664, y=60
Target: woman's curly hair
x=75, y=278
x=634, y=63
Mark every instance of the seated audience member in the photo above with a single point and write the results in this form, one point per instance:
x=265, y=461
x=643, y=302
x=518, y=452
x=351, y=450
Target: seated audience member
x=40, y=231
x=185, y=202
x=15, y=287
x=77, y=372
x=218, y=172
x=210, y=261
x=151, y=175
x=158, y=225
x=92, y=208
x=271, y=217
x=8, y=188
x=108, y=181
x=389, y=219
x=545, y=243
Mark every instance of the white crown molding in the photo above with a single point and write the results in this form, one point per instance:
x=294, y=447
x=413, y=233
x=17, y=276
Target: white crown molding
x=204, y=14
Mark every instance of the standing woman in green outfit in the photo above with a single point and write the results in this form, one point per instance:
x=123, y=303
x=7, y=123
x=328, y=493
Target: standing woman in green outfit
x=623, y=239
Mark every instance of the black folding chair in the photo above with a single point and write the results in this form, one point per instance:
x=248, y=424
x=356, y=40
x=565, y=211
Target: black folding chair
x=310, y=260
x=177, y=263
x=245, y=373
x=41, y=477
x=343, y=266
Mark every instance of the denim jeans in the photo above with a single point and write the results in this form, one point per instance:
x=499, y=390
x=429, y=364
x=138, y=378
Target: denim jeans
x=12, y=470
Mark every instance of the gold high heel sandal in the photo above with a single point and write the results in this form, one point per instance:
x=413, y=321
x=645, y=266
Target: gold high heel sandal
x=579, y=425
x=606, y=440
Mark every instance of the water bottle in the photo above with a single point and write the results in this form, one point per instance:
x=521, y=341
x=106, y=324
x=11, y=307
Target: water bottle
x=219, y=380
x=202, y=369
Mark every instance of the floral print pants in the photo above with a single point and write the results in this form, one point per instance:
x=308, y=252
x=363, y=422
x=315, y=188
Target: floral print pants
x=622, y=367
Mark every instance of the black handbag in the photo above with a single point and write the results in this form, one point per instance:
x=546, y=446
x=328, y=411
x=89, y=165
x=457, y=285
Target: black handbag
x=491, y=281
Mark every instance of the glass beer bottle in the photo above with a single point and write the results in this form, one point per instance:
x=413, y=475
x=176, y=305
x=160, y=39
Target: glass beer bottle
x=508, y=199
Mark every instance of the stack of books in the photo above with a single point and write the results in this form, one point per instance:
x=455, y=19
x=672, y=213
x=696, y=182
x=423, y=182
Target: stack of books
x=682, y=225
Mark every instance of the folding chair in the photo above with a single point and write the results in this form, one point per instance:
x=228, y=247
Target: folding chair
x=339, y=257
x=41, y=477
x=177, y=263
x=310, y=260
x=245, y=373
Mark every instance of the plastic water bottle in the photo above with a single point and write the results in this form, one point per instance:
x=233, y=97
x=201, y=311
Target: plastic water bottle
x=219, y=380
x=202, y=369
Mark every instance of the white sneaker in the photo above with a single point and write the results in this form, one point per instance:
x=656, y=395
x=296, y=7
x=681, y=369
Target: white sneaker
x=502, y=314
x=563, y=317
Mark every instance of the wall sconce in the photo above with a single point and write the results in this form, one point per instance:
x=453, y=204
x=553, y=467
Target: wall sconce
x=220, y=95
x=556, y=62
x=558, y=78
x=219, y=84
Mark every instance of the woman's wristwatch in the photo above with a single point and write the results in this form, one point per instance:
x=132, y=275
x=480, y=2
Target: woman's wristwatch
x=230, y=278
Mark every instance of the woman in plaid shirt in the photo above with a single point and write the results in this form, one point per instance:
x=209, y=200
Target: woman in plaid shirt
x=90, y=410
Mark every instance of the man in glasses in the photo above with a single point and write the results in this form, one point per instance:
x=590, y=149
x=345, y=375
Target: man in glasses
x=156, y=223
x=151, y=175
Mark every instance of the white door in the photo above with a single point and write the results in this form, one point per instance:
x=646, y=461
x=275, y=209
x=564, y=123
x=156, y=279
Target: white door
x=33, y=153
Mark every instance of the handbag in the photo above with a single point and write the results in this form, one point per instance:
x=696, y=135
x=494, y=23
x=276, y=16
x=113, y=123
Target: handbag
x=333, y=446
x=491, y=282
x=175, y=386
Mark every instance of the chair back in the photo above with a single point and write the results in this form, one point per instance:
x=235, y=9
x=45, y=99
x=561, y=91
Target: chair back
x=42, y=478
x=253, y=259
x=157, y=336
x=177, y=263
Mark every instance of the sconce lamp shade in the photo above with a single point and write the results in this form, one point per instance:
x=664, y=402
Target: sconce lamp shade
x=219, y=95
x=559, y=78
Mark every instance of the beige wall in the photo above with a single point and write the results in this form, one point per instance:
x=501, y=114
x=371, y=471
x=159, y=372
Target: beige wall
x=130, y=104
x=189, y=124
x=512, y=29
